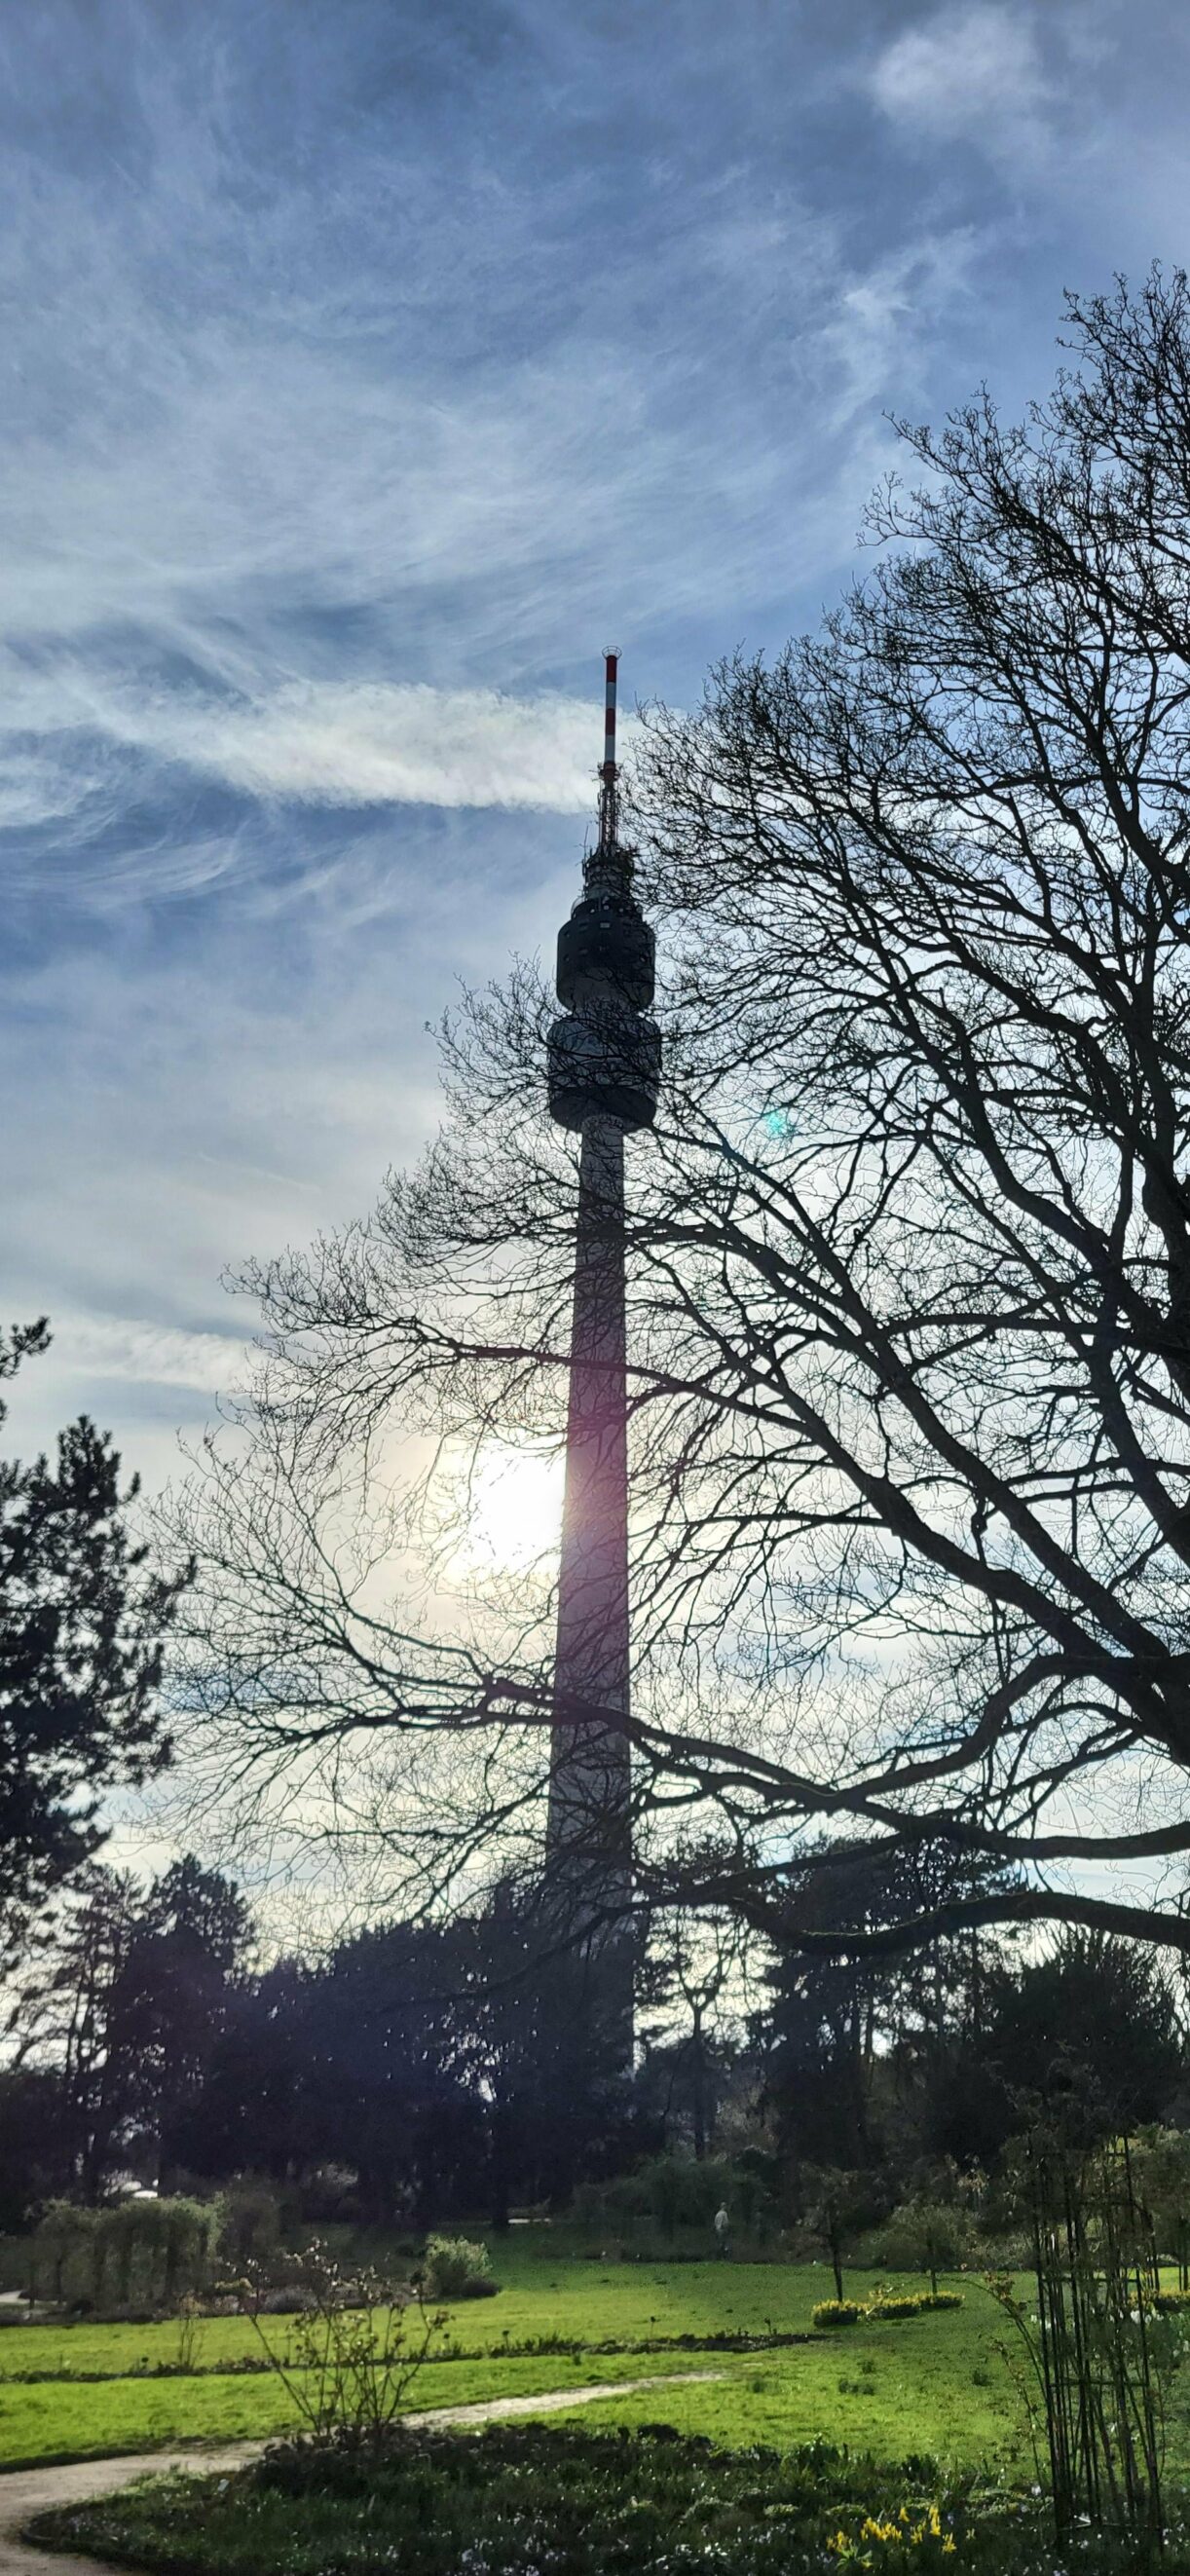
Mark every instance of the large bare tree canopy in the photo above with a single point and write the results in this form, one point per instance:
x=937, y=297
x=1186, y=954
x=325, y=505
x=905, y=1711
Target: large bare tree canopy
x=909, y=1254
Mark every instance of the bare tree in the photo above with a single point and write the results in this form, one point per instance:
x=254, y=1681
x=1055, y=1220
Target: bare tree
x=908, y=1250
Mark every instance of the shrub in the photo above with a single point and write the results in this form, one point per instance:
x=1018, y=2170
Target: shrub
x=928, y=2236
x=941, y=2299
x=249, y=2224
x=836, y=2312
x=887, y=2311
x=455, y=2268
x=135, y=2259
x=672, y=2191
x=350, y=2358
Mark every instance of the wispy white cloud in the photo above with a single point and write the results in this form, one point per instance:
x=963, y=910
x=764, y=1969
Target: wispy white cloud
x=125, y=1348
x=973, y=70
x=313, y=741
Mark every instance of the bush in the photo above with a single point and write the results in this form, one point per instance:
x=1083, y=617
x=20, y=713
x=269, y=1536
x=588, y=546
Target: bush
x=134, y=2259
x=887, y=2311
x=930, y=2236
x=249, y=2224
x=348, y=2362
x=455, y=2268
x=836, y=2312
x=941, y=2299
x=671, y=2191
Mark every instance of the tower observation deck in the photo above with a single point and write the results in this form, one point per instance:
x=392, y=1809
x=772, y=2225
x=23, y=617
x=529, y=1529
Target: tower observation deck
x=604, y=1068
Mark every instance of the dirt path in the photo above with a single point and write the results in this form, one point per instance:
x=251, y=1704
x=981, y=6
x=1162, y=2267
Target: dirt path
x=24, y=2492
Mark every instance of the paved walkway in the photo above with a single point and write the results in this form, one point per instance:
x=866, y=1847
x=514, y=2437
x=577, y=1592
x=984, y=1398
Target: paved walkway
x=24, y=2492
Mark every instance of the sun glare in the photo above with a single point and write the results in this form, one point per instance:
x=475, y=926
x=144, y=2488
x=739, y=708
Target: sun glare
x=512, y=1508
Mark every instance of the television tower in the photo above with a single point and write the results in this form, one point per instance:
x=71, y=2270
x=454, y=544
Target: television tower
x=604, y=1067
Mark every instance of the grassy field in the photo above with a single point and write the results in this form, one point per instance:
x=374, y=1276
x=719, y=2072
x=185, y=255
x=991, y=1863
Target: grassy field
x=930, y=2384
x=545, y=2290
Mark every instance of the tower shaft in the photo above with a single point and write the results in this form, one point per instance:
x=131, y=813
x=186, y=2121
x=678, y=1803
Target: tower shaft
x=604, y=1063
x=589, y=1812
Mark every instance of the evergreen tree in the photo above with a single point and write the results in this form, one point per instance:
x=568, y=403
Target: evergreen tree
x=83, y=1623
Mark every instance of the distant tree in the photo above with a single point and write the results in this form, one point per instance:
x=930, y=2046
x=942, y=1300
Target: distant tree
x=193, y=1937
x=125, y=2001
x=83, y=1623
x=33, y=2154
x=441, y=2069
x=70, y=2012
x=1161, y=2168
x=1095, y=2023
x=837, y=2206
x=692, y=1962
x=389, y=2083
x=925, y=2235
x=848, y=2043
x=254, y=2112
x=562, y=2108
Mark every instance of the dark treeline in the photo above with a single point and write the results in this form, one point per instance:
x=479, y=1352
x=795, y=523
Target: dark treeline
x=944, y=2054
x=418, y=2072
x=413, y=2071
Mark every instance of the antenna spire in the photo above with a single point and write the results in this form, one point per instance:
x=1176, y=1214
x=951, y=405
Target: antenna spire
x=609, y=775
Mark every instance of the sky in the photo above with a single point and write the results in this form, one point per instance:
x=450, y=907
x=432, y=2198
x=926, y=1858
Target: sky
x=370, y=369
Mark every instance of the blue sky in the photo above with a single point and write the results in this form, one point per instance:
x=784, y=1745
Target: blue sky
x=370, y=367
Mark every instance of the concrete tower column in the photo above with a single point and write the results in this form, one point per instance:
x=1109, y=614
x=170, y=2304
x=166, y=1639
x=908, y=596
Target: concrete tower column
x=589, y=1812
x=604, y=1066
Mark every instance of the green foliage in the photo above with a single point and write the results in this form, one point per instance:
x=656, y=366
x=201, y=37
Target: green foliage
x=249, y=2225
x=931, y=2236
x=140, y=2256
x=82, y=1632
x=886, y=2310
x=513, y=2498
x=1161, y=2174
x=455, y=2268
x=673, y=2191
x=837, y=2312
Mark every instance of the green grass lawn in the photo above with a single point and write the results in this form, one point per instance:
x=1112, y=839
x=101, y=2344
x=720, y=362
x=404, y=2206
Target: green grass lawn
x=63, y=2420
x=920, y=2396
x=545, y=2290
x=931, y=2384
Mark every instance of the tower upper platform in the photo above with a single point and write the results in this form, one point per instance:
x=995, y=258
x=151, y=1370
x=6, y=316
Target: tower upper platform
x=605, y=1055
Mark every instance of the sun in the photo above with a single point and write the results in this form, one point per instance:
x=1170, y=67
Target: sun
x=511, y=1507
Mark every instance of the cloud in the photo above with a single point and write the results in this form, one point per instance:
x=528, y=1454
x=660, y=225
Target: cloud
x=318, y=742
x=968, y=71
x=125, y=1348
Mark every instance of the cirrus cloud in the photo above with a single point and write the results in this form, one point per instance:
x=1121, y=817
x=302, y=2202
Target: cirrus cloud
x=357, y=742
x=968, y=70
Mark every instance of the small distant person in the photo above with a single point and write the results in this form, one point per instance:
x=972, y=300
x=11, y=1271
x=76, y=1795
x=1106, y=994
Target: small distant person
x=722, y=2224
